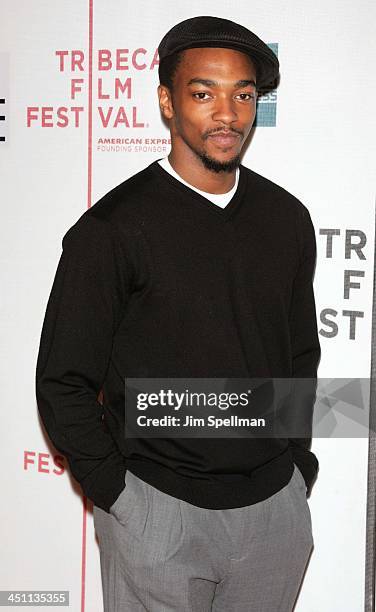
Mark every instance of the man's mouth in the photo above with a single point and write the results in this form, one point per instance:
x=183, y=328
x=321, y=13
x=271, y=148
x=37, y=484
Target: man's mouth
x=225, y=139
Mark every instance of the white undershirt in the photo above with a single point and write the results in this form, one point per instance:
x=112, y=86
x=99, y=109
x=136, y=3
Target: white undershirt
x=220, y=199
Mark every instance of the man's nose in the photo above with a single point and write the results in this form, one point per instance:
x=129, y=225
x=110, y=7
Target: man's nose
x=225, y=110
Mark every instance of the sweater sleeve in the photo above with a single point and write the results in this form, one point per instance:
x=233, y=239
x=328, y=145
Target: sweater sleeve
x=305, y=349
x=86, y=302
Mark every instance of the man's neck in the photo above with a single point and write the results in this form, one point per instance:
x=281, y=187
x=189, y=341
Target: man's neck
x=202, y=178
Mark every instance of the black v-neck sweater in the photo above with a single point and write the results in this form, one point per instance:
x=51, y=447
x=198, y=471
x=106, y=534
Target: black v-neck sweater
x=155, y=280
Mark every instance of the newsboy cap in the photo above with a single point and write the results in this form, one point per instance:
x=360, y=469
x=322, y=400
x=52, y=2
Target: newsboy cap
x=207, y=31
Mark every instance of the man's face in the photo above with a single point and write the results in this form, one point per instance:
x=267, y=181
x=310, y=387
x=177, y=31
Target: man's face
x=212, y=106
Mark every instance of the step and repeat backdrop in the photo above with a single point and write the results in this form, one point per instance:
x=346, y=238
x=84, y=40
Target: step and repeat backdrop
x=78, y=115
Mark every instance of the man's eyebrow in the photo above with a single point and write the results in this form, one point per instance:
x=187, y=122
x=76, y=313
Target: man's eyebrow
x=210, y=83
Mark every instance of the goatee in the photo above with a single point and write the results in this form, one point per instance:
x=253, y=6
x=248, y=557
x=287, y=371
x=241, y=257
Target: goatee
x=217, y=166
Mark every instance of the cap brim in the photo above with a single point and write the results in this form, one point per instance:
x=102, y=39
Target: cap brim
x=267, y=64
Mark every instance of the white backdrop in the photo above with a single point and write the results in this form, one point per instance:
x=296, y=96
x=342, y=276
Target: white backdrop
x=322, y=149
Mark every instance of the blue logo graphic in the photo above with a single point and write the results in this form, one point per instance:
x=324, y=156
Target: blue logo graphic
x=267, y=104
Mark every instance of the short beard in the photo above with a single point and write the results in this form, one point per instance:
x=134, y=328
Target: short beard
x=212, y=164
x=216, y=166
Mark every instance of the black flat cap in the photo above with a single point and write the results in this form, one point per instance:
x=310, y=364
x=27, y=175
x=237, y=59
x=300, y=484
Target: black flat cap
x=207, y=31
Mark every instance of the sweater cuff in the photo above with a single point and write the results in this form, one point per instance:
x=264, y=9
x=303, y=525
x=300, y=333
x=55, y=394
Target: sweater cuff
x=307, y=463
x=104, y=484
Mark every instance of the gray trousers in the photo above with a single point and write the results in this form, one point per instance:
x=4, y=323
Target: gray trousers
x=162, y=554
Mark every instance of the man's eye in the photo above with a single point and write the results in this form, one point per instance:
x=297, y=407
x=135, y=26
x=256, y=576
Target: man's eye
x=252, y=96
x=200, y=93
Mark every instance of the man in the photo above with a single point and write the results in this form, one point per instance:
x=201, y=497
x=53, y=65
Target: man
x=196, y=266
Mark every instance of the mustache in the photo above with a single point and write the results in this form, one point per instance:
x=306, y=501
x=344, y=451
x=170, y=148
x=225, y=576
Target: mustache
x=227, y=132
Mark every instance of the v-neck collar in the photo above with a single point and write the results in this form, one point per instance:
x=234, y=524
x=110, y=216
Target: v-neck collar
x=196, y=197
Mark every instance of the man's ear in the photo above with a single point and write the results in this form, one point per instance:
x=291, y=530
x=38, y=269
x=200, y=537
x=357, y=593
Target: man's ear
x=165, y=101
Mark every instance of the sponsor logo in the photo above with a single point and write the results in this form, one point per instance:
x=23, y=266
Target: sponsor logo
x=267, y=103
